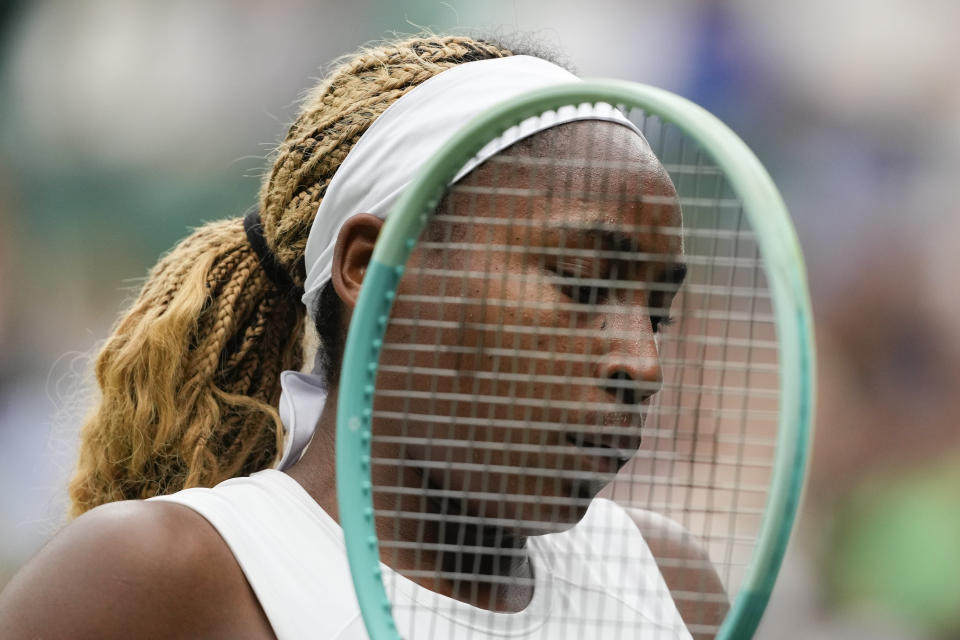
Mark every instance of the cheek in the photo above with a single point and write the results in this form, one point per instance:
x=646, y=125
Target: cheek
x=504, y=322
x=524, y=330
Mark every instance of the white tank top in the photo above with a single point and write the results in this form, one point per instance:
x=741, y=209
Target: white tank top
x=596, y=580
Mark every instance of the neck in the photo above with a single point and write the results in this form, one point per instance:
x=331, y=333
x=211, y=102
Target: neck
x=484, y=566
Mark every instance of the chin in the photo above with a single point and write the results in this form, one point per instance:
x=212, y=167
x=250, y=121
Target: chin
x=555, y=518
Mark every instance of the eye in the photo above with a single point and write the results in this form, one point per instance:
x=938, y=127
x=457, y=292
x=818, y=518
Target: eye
x=582, y=293
x=659, y=305
x=659, y=322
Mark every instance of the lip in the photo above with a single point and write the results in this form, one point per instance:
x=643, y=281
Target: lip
x=613, y=429
x=597, y=454
x=600, y=414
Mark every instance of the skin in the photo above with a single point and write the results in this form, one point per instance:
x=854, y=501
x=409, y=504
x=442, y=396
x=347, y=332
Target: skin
x=620, y=344
x=154, y=569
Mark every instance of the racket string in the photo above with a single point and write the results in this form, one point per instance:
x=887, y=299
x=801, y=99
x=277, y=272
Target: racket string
x=484, y=393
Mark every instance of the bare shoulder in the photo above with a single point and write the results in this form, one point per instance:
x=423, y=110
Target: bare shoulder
x=130, y=569
x=686, y=568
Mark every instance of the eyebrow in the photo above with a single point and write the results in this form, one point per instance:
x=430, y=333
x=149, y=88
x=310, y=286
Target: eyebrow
x=612, y=240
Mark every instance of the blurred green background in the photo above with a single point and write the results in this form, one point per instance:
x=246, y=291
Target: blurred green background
x=124, y=123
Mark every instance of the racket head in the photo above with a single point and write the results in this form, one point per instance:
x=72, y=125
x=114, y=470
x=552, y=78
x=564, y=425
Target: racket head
x=763, y=213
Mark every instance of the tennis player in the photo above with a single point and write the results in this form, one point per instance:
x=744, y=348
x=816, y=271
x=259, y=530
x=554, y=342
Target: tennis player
x=225, y=369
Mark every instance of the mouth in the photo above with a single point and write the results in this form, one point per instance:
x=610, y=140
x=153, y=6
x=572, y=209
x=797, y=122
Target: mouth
x=600, y=453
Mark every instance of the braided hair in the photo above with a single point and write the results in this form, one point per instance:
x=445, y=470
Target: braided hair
x=190, y=377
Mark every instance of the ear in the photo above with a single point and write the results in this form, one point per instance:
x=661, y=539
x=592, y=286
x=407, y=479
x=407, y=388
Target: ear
x=351, y=255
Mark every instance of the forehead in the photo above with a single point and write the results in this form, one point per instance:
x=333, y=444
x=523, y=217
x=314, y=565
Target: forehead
x=588, y=175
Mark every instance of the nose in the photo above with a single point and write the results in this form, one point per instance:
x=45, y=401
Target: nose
x=629, y=363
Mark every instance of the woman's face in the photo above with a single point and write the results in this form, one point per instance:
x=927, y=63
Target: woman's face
x=522, y=349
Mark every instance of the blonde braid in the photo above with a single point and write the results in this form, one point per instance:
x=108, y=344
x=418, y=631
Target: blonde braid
x=190, y=377
x=335, y=115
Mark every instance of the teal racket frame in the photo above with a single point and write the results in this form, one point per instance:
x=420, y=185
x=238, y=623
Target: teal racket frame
x=783, y=265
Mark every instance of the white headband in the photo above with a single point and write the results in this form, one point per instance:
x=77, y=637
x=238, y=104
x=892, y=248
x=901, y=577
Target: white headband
x=385, y=160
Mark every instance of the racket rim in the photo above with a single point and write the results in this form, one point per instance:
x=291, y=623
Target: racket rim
x=782, y=262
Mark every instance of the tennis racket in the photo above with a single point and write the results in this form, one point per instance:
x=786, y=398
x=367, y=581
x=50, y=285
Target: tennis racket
x=578, y=384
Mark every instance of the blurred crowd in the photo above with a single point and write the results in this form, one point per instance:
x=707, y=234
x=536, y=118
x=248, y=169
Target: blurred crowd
x=124, y=123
